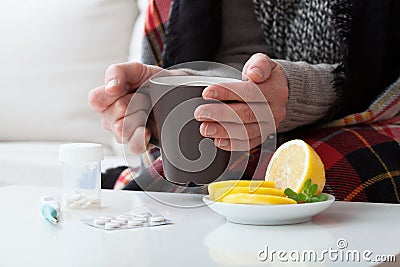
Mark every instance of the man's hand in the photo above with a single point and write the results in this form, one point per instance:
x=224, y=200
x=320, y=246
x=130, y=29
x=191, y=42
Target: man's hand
x=245, y=121
x=112, y=101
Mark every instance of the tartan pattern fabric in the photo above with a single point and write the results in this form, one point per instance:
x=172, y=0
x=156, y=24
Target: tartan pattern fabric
x=126, y=177
x=361, y=161
x=157, y=14
x=253, y=163
x=384, y=107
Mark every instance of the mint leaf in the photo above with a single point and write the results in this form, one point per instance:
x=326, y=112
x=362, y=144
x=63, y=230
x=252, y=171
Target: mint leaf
x=322, y=197
x=315, y=199
x=290, y=193
x=307, y=184
x=312, y=190
x=307, y=194
x=302, y=197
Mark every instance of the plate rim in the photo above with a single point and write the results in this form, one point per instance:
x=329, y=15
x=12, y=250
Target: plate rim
x=300, y=212
x=330, y=200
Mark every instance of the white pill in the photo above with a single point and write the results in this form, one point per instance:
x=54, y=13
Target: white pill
x=122, y=218
x=73, y=205
x=93, y=198
x=118, y=221
x=81, y=201
x=111, y=225
x=106, y=217
x=86, y=205
x=157, y=218
x=140, y=219
x=99, y=221
x=74, y=197
x=143, y=215
x=135, y=223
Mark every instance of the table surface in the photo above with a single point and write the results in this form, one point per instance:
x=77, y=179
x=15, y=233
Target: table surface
x=198, y=237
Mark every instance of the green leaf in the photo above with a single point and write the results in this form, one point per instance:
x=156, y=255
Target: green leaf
x=290, y=193
x=307, y=195
x=302, y=197
x=312, y=190
x=323, y=197
x=307, y=184
x=315, y=199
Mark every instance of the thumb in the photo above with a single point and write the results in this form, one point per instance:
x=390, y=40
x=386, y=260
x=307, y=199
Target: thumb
x=258, y=68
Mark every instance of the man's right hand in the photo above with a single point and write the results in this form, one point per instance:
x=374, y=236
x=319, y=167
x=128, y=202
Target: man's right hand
x=112, y=102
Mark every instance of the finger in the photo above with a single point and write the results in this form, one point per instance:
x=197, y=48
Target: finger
x=139, y=140
x=235, y=131
x=125, y=106
x=237, y=145
x=124, y=128
x=245, y=91
x=233, y=112
x=277, y=93
x=124, y=77
x=99, y=100
x=258, y=68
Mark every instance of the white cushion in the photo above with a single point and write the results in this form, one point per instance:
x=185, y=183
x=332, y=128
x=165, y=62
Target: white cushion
x=52, y=53
x=135, y=49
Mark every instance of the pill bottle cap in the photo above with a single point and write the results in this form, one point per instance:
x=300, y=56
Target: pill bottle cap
x=81, y=152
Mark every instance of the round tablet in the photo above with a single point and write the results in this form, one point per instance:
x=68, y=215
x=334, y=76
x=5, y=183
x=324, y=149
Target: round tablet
x=143, y=215
x=120, y=222
x=122, y=218
x=111, y=225
x=140, y=219
x=86, y=205
x=99, y=221
x=157, y=218
x=81, y=201
x=93, y=198
x=74, y=197
x=135, y=223
x=72, y=205
x=106, y=217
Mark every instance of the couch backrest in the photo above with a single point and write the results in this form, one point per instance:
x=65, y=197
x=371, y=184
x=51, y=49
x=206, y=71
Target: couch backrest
x=52, y=53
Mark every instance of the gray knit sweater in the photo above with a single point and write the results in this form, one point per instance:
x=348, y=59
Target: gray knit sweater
x=311, y=92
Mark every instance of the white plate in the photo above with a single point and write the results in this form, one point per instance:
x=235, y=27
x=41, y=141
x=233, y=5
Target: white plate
x=269, y=214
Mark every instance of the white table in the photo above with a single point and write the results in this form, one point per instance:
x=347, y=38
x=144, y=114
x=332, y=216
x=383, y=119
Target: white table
x=199, y=237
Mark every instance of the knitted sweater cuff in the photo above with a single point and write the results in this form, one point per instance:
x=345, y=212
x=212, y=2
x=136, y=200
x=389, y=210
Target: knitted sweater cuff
x=311, y=93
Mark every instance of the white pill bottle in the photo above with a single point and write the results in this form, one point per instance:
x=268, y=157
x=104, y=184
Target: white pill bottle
x=81, y=175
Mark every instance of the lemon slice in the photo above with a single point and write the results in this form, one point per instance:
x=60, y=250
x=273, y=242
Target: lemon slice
x=257, y=199
x=292, y=164
x=253, y=184
x=223, y=192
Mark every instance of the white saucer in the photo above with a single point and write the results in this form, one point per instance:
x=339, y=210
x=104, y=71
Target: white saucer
x=268, y=214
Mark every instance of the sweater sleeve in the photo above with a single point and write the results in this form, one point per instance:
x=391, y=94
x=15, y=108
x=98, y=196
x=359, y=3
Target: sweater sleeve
x=311, y=93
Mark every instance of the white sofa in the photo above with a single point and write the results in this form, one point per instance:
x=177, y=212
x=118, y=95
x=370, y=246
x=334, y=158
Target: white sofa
x=52, y=53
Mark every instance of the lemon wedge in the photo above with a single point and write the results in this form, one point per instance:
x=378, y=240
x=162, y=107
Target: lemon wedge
x=223, y=192
x=292, y=164
x=252, y=185
x=257, y=199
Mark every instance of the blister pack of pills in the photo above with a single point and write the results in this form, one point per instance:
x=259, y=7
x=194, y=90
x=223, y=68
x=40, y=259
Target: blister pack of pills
x=130, y=220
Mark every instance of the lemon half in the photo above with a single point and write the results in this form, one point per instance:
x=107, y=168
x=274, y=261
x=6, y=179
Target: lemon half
x=292, y=164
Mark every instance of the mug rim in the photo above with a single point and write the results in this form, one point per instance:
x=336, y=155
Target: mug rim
x=191, y=80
